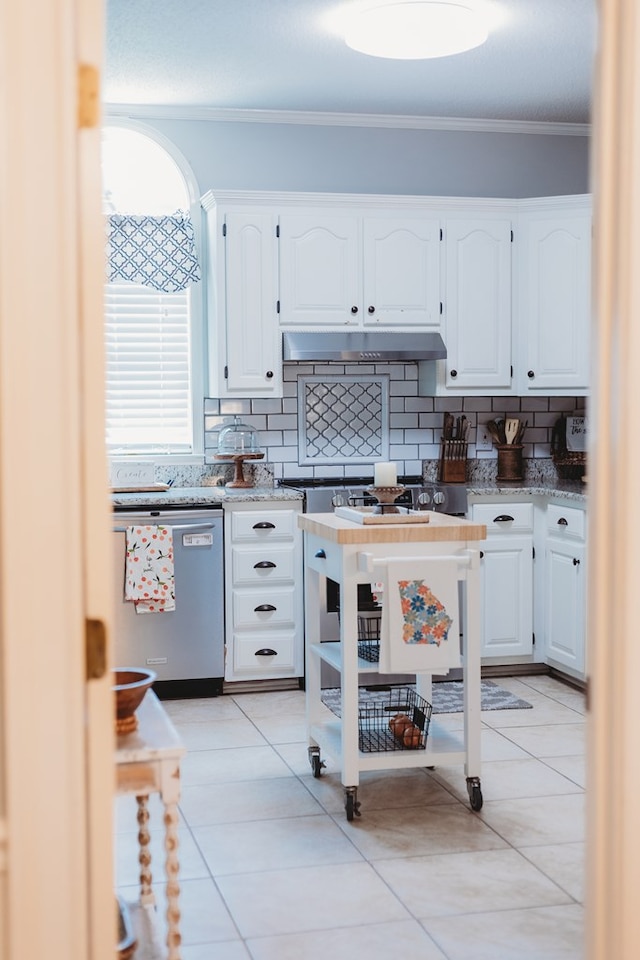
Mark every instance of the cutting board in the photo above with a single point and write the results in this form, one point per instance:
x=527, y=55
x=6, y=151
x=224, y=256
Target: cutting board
x=148, y=488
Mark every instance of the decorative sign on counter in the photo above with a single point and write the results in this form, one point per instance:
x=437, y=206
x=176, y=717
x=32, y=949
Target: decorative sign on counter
x=577, y=434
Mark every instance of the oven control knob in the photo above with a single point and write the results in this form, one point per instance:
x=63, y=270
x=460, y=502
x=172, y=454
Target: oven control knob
x=438, y=497
x=338, y=500
x=424, y=498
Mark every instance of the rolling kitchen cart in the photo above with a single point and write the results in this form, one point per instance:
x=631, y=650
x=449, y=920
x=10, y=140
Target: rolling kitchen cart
x=351, y=552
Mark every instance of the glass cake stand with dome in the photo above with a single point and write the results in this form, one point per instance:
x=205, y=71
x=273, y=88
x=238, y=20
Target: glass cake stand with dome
x=238, y=442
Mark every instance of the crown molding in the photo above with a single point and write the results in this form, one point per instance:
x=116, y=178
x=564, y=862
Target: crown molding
x=137, y=111
x=412, y=204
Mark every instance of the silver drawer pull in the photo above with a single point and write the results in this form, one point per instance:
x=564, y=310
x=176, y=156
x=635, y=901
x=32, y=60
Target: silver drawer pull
x=264, y=565
x=265, y=608
x=266, y=652
x=264, y=525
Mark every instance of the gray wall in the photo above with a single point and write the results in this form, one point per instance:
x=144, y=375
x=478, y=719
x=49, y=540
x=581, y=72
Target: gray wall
x=304, y=157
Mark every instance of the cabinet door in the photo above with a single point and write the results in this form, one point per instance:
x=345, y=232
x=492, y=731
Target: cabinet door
x=253, y=352
x=478, y=304
x=565, y=605
x=507, y=597
x=555, y=304
x=401, y=272
x=320, y=278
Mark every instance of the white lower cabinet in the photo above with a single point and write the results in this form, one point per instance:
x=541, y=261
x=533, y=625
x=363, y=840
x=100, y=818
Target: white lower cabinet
x=263, y=591
x=533, y=583
x=564, y=590
x=506, y=569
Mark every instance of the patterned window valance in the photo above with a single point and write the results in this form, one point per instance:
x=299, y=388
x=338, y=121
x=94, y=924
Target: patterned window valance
x=158, y=252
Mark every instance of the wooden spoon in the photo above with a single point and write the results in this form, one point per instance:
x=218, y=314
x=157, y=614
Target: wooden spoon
x=511, y=427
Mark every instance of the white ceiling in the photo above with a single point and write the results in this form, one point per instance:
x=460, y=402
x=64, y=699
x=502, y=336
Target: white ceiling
x=281, y=55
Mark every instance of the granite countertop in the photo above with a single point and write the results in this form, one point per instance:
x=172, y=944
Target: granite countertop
x=204, y=496
x=574, y=490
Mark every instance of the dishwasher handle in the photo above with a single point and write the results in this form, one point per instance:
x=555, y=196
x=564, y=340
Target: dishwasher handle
x=182, y=526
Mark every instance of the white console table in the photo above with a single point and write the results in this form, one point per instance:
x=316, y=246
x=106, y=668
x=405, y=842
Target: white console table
x=148, y=761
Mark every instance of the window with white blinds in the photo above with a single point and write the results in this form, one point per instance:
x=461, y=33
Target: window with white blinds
x=149, y=399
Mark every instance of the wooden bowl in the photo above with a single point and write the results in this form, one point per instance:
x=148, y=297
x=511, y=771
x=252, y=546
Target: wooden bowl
x=130, y=686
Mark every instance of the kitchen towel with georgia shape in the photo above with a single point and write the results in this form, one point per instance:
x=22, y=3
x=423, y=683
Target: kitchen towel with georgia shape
x=149, y=581
x=419, y=630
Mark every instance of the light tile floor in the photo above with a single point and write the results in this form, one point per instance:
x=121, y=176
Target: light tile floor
x=272, y=870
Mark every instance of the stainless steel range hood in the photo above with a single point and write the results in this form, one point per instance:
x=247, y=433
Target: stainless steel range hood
x=358, y=346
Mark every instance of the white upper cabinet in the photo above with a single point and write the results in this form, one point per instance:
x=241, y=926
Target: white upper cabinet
x=244, y=340
x=319, y=264
x=401, y=270
x=554, y=303
x=359, y=271
x=477, y=304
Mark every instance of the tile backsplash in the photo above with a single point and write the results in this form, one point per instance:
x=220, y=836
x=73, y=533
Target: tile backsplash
x=408, y=430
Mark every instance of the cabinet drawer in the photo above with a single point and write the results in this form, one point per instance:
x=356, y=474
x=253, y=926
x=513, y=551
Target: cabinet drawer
x=264, y=608
x=263, y=525
x=250, y=654
x=268, y=564
x=504, y=517
x=324, y=557
x=565, y=521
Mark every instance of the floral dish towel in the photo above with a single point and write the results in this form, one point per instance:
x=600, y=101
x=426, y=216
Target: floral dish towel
x=149, y=574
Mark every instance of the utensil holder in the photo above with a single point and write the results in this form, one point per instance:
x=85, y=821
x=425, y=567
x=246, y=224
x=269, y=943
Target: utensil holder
x=453, y=461
x=510, y=465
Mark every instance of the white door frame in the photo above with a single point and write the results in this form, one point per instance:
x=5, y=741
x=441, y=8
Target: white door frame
x=56, y=746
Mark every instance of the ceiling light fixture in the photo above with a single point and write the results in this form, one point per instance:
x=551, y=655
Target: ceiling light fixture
x=416, y=30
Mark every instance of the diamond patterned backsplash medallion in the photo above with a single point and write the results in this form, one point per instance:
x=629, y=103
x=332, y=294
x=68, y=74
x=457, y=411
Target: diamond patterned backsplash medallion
x=343, y=419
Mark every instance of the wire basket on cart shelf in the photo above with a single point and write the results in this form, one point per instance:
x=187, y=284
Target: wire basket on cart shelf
x=369, y=635
x=397, y=719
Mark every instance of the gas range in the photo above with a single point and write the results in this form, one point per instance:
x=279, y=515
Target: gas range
x=323, y=495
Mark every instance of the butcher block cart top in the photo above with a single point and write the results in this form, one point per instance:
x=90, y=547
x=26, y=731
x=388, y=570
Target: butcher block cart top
x=352, y=552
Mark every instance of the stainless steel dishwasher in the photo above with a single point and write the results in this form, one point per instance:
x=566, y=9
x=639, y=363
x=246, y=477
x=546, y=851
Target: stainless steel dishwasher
x=185, y=646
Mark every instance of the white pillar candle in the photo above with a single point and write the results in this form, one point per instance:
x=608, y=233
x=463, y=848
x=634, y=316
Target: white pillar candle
x=385, y=475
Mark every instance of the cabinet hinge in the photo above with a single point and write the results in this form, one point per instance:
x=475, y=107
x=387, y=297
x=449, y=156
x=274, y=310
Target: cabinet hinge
x=512, y=236
x=277, y=306
x=224, y=229
x=226, y=372
x=277, y=230
x=441, y=233
x=88, y=96
x=95, y=641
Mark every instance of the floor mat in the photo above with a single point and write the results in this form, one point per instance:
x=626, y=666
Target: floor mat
x=447, y=697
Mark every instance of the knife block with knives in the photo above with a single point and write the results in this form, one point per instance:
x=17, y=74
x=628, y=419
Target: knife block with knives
x=453, y=449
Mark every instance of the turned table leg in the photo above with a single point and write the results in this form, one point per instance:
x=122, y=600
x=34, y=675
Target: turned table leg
x=144, y=852
x=172, y=867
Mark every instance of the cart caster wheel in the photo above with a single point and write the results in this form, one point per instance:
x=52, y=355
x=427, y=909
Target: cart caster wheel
x=351, y=804
x=314, y=759
x=475, y=793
